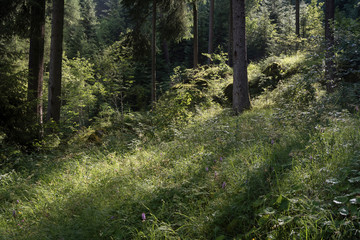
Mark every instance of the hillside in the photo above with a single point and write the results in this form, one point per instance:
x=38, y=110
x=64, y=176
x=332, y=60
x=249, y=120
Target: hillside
x=289, y=168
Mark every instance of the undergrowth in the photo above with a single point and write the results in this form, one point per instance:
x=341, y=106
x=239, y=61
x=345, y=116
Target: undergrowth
x=288, y=169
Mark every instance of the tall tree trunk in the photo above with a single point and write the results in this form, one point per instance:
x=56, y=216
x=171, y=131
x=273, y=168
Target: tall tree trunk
x=241, y=97
x=54, y=101
x=297, y=17
x=329, y=38
x=211, y=28
x=36, y=57
x=153, y=55
x=196, y=34
x=230, y=51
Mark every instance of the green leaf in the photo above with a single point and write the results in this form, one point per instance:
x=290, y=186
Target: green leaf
x=340, y=200
x=285, y=220
x=344, y=211
x=355, y=200
x=269, y=211
x=283, y=203
x=332, y=181
x=354, y=180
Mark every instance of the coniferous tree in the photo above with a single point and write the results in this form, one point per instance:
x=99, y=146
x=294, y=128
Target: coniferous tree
x=54, y=101
x=196, y=34
x=36, y=56
x=329, y=38
x=230, y=50
x=171, y=28
x=153, y=54
x=241, y=98
x=211, y=28
x=297, y=17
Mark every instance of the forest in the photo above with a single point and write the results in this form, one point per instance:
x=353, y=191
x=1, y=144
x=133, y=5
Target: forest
x=179, y=119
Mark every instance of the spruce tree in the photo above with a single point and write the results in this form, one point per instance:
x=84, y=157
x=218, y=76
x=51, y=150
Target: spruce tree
x=36, y=57
x=211, y=28
x=57, y=24
x=241, y=97
x=196, y=34
x=329, y=39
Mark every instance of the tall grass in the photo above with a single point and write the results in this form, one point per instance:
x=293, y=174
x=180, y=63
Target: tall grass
x=271, y=173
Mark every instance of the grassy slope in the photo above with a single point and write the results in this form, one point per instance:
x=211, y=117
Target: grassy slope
x=268, y=173
x=281, y=180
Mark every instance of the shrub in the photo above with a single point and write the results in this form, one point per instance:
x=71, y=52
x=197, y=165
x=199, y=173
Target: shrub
x=190, y=89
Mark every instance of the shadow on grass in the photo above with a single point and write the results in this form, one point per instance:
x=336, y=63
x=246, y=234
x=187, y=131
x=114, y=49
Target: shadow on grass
x=185, y=200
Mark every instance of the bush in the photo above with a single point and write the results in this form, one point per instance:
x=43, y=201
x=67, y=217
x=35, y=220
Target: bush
x=296, y=93
x=190, y=89
x=348, y=54
x=79, y=93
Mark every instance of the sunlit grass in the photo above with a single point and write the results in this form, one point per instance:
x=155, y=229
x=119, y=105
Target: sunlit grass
x=267, y=174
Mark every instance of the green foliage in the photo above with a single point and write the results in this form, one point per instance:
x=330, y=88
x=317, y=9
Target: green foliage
x=259, y=32
x=266, y=74
x=297, y=92
x=116, y=72
x=78, y=93
x=257, y=175
x=347, y=45
x=15, y=122
x=112, y=24
x=192, y=88
x=270, y=28
x=80, y=29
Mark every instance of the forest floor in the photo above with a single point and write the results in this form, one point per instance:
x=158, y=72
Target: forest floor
x=262, y=175
x=271, y=173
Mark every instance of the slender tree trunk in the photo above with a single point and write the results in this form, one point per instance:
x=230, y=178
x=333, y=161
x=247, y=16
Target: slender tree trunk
x=36, y=57
x=329, y=38
x=56, y=61
x=241, y=97
x=297, y=17
x=153, y=55
x=230, y=51
x=211, y=28
x=196, y=34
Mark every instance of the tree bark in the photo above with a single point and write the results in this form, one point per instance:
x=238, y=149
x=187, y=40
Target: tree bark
x=211, y=28
x=196, y=34
x=297, y=17
x=230, y=51
x=36, y=57
x=153, y=55
x=329, y=38
x=54, y=101
x=241, y=97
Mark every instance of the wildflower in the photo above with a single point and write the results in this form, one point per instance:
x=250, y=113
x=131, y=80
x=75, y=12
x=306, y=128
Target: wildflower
x=221, y=159
x=14, y=214
x=143, y=217
x=272, y=141
x=17, y=201
x=223, y=185
x=216, y=173
x=206, y=169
